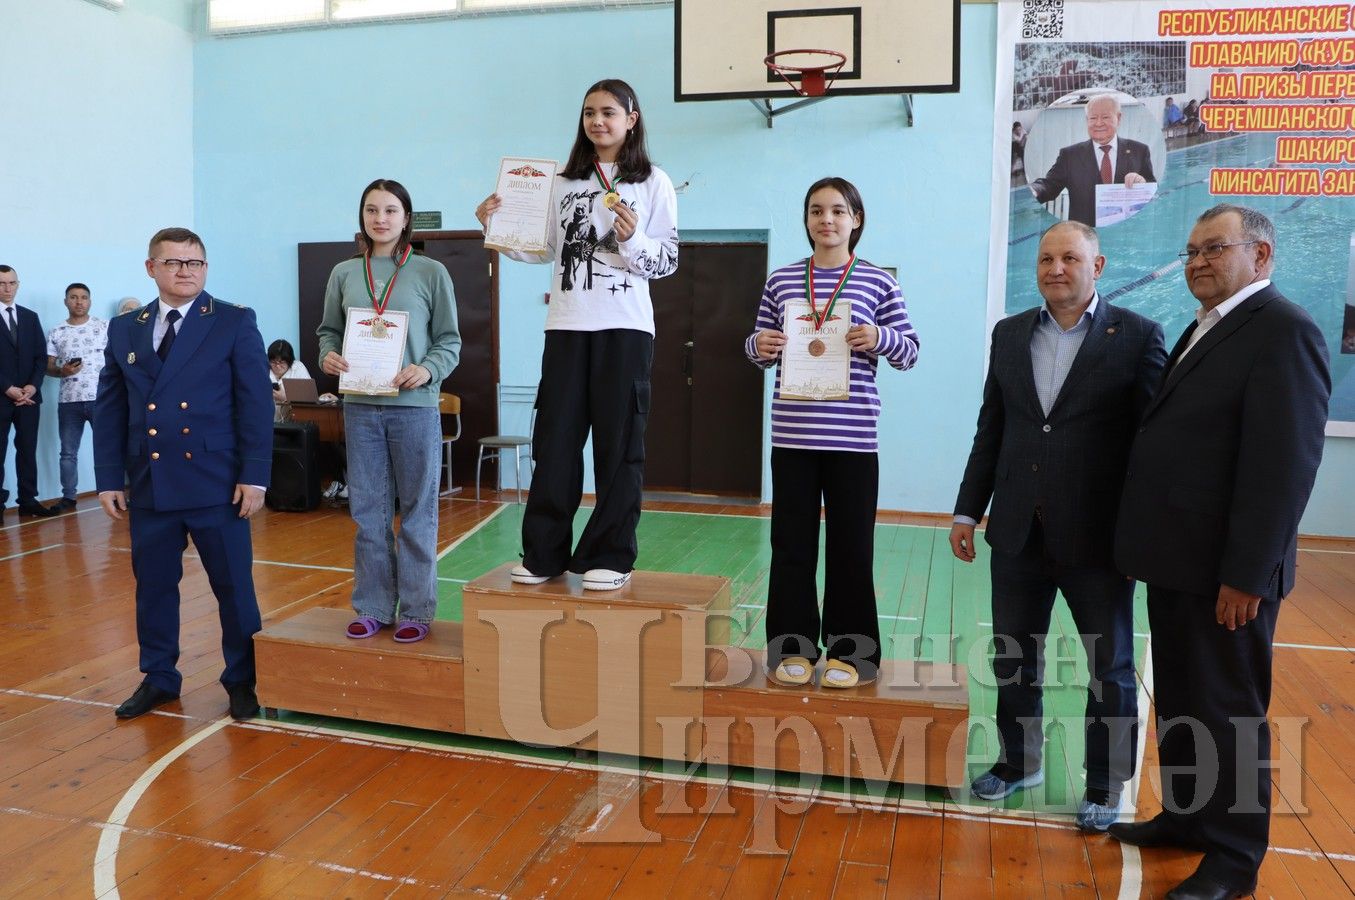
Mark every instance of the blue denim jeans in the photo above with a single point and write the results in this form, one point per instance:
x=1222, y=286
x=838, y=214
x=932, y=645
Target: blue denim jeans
x=394, y=451
x=71, y=418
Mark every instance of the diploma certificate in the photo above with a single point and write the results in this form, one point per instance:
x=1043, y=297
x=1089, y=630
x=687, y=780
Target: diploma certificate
x=375, y=354
x=521, y=223
x=1115, y=202
x=815, y=364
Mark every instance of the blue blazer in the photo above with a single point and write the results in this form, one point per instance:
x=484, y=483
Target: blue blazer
x=27, y=364
x=184, y=432
x=1226, y=455
x=1070, y=463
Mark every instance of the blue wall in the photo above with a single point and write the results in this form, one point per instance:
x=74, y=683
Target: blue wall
x=288, y=127
x=291, y=126
x=96, y=155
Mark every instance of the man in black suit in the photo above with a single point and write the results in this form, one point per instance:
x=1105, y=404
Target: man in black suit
x=1219, y=475
x=23, y=362
x=1106, y=158
x=1066, y=384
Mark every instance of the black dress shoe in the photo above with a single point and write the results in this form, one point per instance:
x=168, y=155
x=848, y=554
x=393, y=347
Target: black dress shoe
x=244, y=703
x=1202, y=887
x=65, y=504
x=36, y=509
x=1156, y=832
x=146, y=698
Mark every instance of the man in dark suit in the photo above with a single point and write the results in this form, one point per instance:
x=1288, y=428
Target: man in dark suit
x=1219, y=475
x=1066, y=384
x=22, y=344
x=1106, y=158
x=185, y=414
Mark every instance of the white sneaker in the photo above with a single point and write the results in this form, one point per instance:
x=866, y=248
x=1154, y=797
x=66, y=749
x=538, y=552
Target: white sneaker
x=604, y=579
x=331, y=490
x=342, y=493
x=523, y=575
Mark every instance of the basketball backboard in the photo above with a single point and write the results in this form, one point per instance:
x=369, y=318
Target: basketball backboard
x=892, y=46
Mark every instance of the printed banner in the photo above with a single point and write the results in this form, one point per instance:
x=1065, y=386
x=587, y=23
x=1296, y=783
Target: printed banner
x=1249, y=102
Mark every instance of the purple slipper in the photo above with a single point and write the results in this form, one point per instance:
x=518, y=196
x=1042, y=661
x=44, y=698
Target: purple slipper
x=363, y=627
x=409, y=632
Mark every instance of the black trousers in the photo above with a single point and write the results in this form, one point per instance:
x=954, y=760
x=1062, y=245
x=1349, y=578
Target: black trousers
x=1102, y=603
x=1212, y=689
x=25, y=422
x=597, y=380
x=848, y=484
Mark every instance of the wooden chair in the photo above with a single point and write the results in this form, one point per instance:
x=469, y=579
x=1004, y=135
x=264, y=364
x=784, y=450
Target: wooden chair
x=497, y=444
x=450, y=405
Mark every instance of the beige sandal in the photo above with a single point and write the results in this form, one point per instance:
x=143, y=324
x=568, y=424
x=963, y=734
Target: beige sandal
x=838, y=674
x=793, y=671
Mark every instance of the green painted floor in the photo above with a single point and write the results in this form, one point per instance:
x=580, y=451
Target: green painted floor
x=931, y=607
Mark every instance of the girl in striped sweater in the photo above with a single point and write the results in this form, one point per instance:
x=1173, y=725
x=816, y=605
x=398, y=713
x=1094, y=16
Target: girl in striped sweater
x=824, y=451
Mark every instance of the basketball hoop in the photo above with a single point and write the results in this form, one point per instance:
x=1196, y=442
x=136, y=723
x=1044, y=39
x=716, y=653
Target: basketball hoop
x=813, y=77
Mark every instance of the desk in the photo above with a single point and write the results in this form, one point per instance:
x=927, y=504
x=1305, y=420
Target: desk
x=328, y=418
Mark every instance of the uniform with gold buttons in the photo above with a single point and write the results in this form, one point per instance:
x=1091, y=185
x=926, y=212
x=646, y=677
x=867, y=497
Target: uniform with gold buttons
x=181, y=434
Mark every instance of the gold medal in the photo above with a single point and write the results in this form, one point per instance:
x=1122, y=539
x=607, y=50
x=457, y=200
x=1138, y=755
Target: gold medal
x=816, y=347
x=611, y=197
x=378, y=328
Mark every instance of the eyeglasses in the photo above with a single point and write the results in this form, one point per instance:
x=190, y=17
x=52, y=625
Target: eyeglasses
x=1211, y=251
x=192, y=265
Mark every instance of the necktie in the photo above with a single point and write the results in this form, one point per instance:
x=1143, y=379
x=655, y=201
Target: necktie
x=168, y=340
x=13, y=327
x=1106, y=176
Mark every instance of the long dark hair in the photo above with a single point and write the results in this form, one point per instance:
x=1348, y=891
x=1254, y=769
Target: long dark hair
x=398, y=189
x=632, y=160
x=853, y=198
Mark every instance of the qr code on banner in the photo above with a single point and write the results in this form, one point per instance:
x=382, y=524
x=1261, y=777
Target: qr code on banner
x=1041, y=19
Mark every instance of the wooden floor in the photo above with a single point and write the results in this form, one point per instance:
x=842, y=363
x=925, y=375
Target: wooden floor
x=185, y=802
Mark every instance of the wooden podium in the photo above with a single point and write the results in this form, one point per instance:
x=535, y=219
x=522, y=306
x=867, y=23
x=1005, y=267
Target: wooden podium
x=641, y=671
x=556, y=664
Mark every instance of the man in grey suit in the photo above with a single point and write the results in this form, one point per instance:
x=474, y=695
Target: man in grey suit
x=1219, y=475
x=1066, y=384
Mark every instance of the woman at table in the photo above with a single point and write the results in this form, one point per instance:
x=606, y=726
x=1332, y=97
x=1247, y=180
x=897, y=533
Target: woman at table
x=393, y=440
x=282, y=365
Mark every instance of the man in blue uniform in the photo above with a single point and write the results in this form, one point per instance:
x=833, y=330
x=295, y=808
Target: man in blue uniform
x=184, y=418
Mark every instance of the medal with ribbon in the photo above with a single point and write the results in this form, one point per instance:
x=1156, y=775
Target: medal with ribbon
x=378, y=324
x=611, y=198
x=816, y=346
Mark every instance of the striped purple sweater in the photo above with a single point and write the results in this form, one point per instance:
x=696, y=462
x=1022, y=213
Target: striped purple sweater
x=837, y=424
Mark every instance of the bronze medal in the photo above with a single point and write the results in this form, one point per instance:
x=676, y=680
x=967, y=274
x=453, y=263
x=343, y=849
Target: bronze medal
x=378, y=328
x=816, y=347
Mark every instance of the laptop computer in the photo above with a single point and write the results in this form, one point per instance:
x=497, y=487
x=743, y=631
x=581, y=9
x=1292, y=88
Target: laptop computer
x=300, y=390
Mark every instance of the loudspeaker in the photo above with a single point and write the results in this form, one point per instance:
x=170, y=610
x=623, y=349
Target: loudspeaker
x=295, y=485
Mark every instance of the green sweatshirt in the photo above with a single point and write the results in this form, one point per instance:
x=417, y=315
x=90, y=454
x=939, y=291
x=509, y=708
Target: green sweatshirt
x=424, y=290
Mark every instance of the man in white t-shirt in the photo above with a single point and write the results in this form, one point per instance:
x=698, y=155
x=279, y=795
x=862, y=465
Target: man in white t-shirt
x=75, y=354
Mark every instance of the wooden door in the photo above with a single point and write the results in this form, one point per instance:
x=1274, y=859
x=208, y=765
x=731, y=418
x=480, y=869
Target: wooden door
x=705, y=426
x=474, y=272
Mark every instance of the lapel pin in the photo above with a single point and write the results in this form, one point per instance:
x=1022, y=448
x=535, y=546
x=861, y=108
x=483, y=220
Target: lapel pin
x=202, y=309
x=1110, y=330
x=131, y=359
